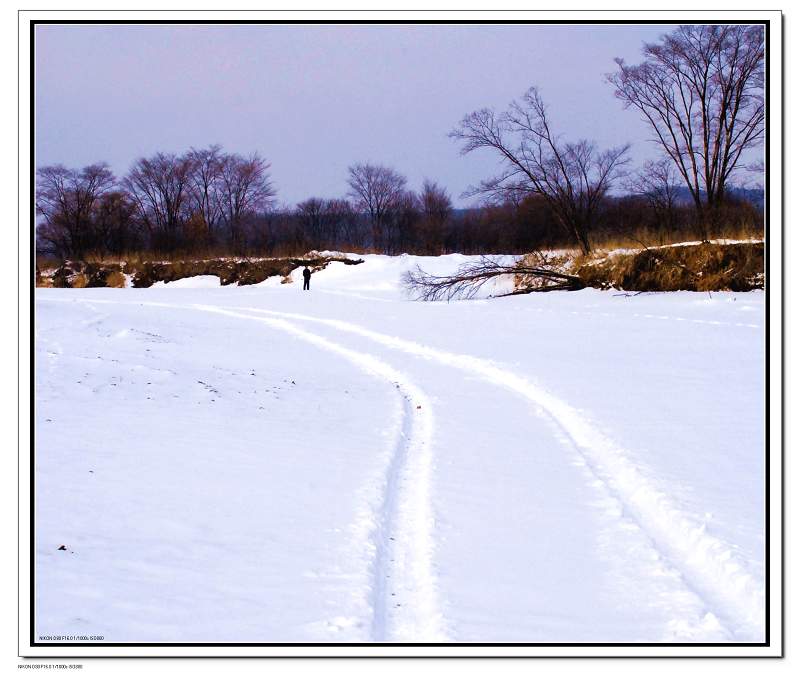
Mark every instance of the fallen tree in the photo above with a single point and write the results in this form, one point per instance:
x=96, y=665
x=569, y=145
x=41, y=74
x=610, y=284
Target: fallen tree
x=470, y=278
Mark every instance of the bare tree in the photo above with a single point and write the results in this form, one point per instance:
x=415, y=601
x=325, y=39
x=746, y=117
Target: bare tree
x=658, y=182
x=114, y=223
x=377, y=191
x=311, y=216
x=245, y=189
x=437, y=207
x=572, y=177
x=343, y=222
x=66, y=198
x=467, y=281
x=160, y=188
x=436, y=202
x=701, y=89
x=404, y=223
x=327, y=223
x=205, y=184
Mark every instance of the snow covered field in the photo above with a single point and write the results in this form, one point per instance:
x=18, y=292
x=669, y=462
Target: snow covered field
x=263, y=464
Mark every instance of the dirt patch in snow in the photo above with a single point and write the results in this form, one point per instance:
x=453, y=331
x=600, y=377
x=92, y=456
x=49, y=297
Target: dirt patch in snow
x=75, y=274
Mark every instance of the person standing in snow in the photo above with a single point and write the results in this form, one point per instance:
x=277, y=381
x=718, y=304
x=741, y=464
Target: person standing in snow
x=306, y=278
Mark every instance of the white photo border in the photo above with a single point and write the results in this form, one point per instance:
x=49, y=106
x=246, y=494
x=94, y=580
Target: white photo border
x=774, y=336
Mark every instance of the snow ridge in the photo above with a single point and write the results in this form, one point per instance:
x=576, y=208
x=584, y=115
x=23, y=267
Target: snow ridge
x=404, y=598
x=405, y=610
x=709, y=565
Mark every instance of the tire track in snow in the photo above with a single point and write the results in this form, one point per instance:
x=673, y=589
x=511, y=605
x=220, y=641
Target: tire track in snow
x=708, y=565
x=404, y=600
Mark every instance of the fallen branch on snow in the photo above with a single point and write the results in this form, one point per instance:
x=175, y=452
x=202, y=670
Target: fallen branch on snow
x=470, y=277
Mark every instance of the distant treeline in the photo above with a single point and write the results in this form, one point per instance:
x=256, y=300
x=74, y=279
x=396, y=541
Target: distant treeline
x=207, y=202
x=700, y=89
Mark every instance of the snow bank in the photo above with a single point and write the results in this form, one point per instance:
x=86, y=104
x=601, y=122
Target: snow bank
x=196, y=282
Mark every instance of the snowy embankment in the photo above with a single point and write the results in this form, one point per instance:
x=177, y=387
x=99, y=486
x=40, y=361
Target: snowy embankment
x=266, y=464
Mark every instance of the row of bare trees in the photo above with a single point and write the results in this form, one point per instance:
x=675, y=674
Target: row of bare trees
x=207, y=200
x=87, y=212
x=399, y=218
x=165, y=203
x=380, y=213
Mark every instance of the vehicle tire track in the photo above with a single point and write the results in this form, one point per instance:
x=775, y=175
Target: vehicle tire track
x=404, y=598
x=709, y=566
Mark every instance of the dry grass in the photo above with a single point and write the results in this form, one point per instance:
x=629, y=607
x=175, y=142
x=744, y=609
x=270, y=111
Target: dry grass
x=701, y=267
x=115, y=279
x=79, y=281
x=47, y=263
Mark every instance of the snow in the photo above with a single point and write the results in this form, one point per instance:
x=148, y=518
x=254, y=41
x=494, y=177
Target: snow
x=196, y=282
x=717, y=241
x=264, y=464
x=692, y=243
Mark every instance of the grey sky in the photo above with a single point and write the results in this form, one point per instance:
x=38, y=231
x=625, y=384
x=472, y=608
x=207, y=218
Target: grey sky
x=314, y=99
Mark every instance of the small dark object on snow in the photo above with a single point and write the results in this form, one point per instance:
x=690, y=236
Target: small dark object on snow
x=419, y=406
x=306, y=278
x=62, y=547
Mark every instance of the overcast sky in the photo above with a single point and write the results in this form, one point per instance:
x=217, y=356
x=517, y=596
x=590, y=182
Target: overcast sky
x=315, y=99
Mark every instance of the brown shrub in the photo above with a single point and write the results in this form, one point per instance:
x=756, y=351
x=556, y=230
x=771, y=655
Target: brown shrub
x=701, y=267
x=78, y=281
